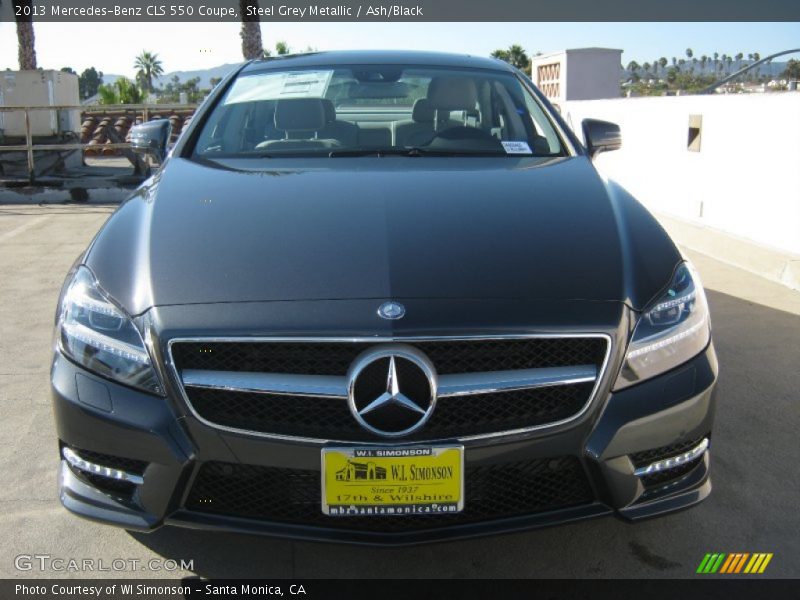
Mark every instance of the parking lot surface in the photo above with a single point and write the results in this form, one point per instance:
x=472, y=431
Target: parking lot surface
x=755, y=455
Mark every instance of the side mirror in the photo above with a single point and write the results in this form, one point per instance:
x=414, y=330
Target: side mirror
x=601, y=136
x=151, y=138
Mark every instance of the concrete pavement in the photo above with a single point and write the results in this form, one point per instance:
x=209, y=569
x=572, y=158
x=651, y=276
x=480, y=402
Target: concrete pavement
x=755, y=452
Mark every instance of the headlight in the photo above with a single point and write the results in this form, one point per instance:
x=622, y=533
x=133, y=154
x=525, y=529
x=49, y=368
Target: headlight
x=673, y=330
x=97, y=334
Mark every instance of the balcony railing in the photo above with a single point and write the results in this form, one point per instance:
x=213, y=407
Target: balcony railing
x=137, y=112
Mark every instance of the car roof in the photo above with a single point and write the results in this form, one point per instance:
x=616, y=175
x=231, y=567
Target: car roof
x=377, y=57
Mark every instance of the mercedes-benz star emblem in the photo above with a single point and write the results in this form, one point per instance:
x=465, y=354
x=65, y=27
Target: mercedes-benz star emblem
x=392, y=389
x=391, y=311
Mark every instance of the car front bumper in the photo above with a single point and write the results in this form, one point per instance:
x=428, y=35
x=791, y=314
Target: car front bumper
x=98, y=418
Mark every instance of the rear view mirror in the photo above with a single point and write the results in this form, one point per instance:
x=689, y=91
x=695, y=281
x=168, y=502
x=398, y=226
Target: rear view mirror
x=601, y=136
x=151, y=138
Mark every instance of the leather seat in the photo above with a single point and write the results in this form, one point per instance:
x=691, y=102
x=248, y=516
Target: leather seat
x=452, y=93
x=300, y=120
x=342, y=131
x=420, y=129
x=431, y=115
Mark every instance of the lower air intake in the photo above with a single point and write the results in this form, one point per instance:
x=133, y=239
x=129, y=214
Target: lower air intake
x=293, y=495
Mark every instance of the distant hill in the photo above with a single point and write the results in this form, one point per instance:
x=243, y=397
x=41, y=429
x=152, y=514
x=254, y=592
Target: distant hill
x=110, y=78
x=205, y=75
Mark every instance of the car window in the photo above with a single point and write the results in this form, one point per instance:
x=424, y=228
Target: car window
x=345, y=111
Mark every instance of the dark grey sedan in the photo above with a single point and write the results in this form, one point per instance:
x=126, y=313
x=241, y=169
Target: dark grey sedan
x=380, y=297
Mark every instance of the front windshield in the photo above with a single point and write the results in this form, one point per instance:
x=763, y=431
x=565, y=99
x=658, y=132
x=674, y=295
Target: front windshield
x=377, y=109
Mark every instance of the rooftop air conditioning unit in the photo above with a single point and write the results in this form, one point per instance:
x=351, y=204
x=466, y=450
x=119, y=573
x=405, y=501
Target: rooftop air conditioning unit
x=39, y=88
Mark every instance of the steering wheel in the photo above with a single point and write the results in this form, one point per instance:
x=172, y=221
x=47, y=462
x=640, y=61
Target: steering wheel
x=454, y=138
x=463, y=132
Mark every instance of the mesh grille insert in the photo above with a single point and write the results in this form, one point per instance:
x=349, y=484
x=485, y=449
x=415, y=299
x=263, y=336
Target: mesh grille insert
x=326, y=418
x=293, y=496
x=330, y=419
x=334, y=358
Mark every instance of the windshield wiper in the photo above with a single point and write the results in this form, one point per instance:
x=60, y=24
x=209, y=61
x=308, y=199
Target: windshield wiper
x=371, y=152
x=455, y=152
x=413, y=152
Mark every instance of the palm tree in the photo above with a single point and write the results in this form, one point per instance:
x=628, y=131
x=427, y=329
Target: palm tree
x=252, y=46
x=689, y=53
x=739, y=58
x=792, y=71
x=515, y=55
x=128, y=92
x=672, y=75
x=716, y=59
x=108, y=94
x=124, y=91
x=281, y=49
x=26, y=41
x=149, y=67
x=756, y=58
x=646, y=68
x=703, y=62
x=633, y=66
x=663, y=62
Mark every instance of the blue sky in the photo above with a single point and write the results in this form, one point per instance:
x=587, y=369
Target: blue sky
x=199, y=45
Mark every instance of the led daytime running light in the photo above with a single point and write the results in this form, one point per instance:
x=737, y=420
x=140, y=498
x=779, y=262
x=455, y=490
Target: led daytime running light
x=666, y=341
x=675, y=302
x=103, y=342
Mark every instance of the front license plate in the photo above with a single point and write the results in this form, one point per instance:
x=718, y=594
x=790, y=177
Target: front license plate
x=373, y=481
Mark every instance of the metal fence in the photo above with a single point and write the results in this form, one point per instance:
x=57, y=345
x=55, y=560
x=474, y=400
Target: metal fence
x=137, y=110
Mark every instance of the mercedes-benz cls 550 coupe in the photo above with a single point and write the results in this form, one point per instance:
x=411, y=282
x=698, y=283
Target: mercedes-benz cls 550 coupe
x=380, y=297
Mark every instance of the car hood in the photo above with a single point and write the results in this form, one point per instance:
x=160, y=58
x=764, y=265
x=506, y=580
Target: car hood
x=380, y=228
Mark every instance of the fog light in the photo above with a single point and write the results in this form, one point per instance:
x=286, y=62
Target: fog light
x=89, y=467
x=673, y=461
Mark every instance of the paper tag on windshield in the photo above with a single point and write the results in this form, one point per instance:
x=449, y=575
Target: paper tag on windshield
x=276, y=86
x=516, y=147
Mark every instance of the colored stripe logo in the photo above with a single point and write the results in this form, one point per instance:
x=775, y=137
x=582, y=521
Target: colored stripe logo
x=737, y=562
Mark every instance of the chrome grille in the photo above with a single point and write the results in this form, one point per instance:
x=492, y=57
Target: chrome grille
x=297, y=388
x=324, y=418
x=450, y=356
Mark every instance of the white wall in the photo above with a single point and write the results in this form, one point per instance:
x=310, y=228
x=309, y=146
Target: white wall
x=583, y=74
x=744, y=181
x=593, y=73
x=554, y=61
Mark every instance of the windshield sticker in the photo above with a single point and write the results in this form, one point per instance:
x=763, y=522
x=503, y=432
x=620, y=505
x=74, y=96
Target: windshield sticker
x=276, y=86
x=516, y=147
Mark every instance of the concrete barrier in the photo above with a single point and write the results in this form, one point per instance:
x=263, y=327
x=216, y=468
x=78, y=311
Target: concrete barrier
x=720, y=171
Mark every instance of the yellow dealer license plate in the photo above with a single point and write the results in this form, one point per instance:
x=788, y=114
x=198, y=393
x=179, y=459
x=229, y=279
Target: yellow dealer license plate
x=373, y=481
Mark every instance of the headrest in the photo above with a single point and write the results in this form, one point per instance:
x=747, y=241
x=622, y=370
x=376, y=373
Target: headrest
x=423, y=112
x=452, y=93
x=330, y=110
x=300, y=114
